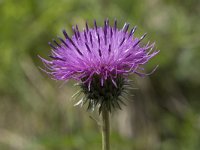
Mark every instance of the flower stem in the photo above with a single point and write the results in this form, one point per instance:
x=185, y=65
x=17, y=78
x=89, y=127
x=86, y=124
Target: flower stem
x=105, y=130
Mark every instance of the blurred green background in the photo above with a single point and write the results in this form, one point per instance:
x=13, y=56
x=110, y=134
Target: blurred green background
x=36, y=113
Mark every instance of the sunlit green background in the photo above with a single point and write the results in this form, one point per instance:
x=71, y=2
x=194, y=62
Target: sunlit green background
x=37, y=113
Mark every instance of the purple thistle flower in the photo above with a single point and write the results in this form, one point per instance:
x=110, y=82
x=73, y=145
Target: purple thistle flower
x=99, y=55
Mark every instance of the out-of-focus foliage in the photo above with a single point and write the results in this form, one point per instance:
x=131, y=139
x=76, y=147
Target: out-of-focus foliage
x=35, y=113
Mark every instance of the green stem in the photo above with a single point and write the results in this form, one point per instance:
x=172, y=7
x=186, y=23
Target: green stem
x=105, y=130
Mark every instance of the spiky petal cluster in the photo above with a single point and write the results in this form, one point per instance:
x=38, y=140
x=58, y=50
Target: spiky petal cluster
x=104, y=53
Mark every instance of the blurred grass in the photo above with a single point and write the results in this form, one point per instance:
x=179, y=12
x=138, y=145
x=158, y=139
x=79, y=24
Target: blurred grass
x=35, y=113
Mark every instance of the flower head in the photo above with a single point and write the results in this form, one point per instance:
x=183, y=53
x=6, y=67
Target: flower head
x=100, y=58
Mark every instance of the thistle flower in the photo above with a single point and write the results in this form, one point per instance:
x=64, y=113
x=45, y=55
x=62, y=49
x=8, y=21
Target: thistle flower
x=100, y=59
